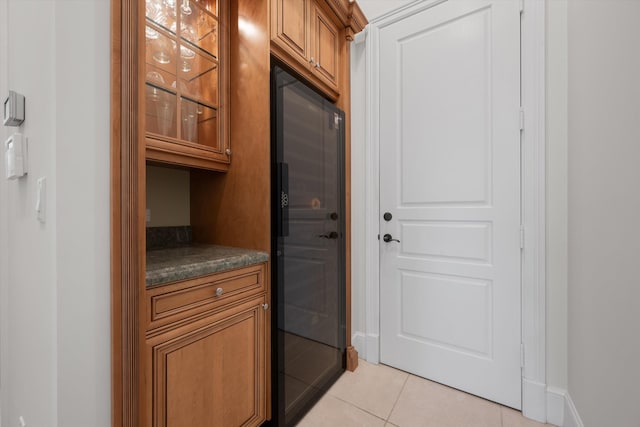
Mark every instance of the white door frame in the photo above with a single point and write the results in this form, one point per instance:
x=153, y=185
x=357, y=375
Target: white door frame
x=533, y=196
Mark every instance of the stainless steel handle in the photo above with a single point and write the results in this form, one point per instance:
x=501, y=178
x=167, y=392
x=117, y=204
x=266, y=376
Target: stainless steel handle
x=265, y=306
x=219, y=291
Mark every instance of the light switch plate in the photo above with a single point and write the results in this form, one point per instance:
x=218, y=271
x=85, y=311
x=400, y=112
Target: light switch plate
x=15, y=155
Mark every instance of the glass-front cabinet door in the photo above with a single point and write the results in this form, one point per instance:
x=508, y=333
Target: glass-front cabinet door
x=186, y=82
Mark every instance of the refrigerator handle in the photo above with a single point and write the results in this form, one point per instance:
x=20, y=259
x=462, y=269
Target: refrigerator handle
x=283, y=186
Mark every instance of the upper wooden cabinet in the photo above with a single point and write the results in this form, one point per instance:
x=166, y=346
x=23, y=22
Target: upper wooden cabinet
x=186, y=82
x=290, y=27
x=325, y=46
x=309, y=35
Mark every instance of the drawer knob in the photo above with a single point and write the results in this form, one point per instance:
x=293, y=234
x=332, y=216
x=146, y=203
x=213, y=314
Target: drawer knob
x=219, y=291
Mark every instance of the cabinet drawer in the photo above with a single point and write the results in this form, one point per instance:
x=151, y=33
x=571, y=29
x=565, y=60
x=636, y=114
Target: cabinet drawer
x=190, y=298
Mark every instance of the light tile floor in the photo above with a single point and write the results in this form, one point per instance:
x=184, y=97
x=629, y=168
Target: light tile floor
x=377, y=395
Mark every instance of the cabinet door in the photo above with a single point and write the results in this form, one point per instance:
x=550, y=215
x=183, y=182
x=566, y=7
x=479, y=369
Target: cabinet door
x=186, y=82
x=290, y=28
x=326, y=46
x=213, y=375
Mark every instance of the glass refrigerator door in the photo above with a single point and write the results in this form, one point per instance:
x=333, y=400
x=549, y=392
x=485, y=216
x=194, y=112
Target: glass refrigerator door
x=310, y=250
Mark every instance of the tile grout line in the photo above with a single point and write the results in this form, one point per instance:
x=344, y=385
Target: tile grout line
x=357, y=407
x=398, y=398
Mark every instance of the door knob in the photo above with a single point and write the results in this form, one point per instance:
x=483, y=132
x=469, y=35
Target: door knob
x=389, y=238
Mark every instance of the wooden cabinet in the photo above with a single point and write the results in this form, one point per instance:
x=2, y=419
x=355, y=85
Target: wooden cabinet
x=207, y=366
x=325, y=47
x=231, y=209
x=186, y=82
x=307, y=32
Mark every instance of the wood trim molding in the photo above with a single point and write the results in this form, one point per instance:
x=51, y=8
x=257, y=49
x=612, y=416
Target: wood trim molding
x=116, y=203
x=350, y=14
x=127, y=180
x=284, y=56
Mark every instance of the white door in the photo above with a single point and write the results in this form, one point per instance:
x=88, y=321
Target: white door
x=450, y=178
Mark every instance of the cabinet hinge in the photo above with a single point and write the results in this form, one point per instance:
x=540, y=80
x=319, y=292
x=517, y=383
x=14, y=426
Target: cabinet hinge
x=522, y=355
x=522, y=237
x=521, y=118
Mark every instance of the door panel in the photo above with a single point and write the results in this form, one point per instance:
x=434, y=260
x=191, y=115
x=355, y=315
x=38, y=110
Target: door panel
x=450, y=175
x=213, y=374
x=289, y=26
x=325, y=51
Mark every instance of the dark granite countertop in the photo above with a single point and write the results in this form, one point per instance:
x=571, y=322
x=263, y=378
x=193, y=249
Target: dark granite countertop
x=186, y=262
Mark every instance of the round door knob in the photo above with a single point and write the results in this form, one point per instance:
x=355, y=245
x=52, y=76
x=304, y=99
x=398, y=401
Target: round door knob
x=219, y=291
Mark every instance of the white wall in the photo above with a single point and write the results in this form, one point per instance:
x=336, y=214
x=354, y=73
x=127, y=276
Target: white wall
x=4, y=231
x=56, y=339
x=604, y=207
x=376, y=8
x=168, y=196
x=30, y=375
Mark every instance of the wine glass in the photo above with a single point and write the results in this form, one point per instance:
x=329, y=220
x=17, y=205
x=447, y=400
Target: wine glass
x=153, y=93
x=189, y=120
x=162, y=49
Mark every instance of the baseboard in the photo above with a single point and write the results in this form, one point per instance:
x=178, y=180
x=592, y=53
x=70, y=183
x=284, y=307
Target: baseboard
x=571, y=416
x=357, y=340
x=560, y=409
x=372, y=348
x=367, y=346
x=534, y=400
x=555, y=405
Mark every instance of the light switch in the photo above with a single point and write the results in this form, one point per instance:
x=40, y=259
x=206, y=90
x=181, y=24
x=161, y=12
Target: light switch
x=41, y=198
x=15, y=155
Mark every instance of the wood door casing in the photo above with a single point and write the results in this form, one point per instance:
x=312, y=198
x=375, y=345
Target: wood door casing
x=213, y=371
